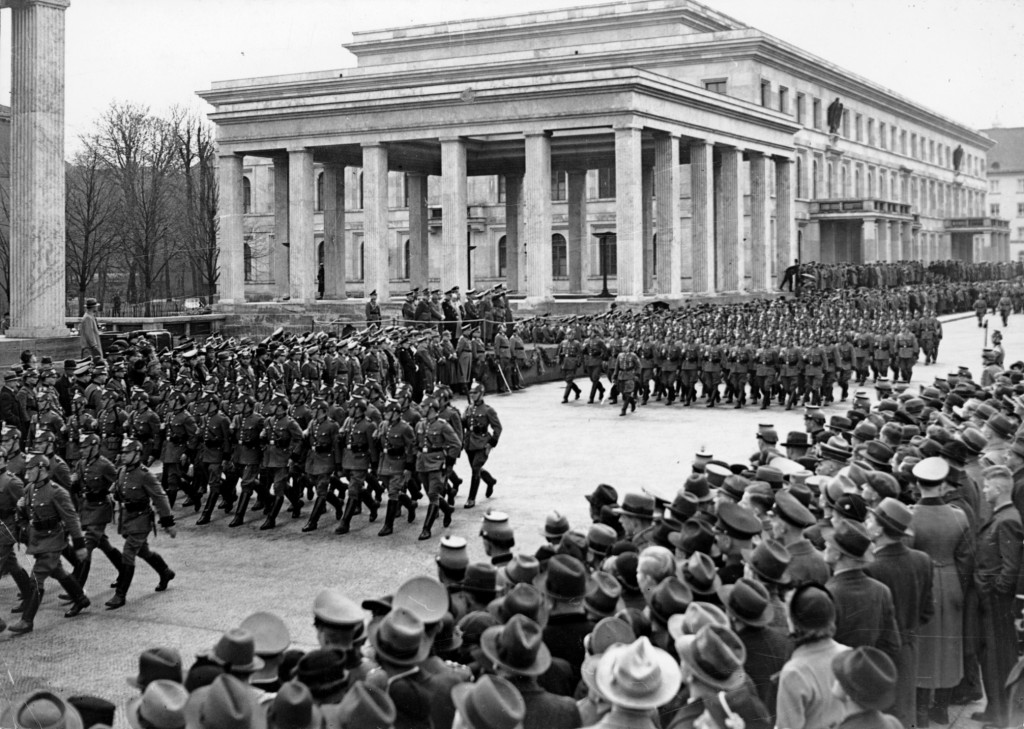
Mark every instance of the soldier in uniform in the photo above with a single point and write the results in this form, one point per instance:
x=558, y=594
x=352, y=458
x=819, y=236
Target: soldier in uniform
x=791, y=365
x=627, y=368
x=648, y=372
x=503, y=353
x=481, y=430
x=434, y=440
x=283, y=438
x=138, y=493
x=453, y=417
x=739, y=372
x=881, y=356
x=397, y=447
x=595, y=352
x=26, y=396
x=814, y=369
x=844, y=359
x=373, y=311
x=179, y=429
x=671, y=360
x=569, y=352
x=518, y=357
x=94, y=475
x=215, y=454
x=12, y=489
x=689, y=371
x=906, y=352
x=359, y=455
x=863, y=347
x=765, y=364
x=464, y=356
x=711, y=373
x=322, y=460
x=143, y=425
x=49, y=516
x=246, y=427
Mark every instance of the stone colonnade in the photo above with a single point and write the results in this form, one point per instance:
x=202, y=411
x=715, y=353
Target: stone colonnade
x=714, y=256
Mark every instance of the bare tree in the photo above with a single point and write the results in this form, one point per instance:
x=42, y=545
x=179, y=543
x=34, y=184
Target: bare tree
x=140, y=151
x=195, y=148
x=94, y=223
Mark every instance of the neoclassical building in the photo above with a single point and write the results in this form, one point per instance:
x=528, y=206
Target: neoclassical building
x=655, y=148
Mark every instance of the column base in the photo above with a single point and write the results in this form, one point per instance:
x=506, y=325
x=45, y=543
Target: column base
x=38, y=332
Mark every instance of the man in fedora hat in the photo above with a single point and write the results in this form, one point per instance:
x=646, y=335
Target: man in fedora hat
x=490, y=703
x=517, y=652
x=363, y=706
x=41, y=709
x=161, y=706
x=865, y=682
x=225, y=702
x=564, y=586
x=864, y=608
x=711, y=661
x=908, y=575
x=636, y=679
x=89, y=330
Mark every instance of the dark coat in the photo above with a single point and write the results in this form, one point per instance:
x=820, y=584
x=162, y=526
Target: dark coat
x=545, y=710
x=768, y=649
x=870, y=720
x=864, y=612
x=563, y=635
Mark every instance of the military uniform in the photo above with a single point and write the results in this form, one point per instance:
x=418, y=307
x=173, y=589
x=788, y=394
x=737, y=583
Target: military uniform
x=481, y=430
x=96, y=510
x=322, y=459
x=594, y=352
x=397, y=447
x=179, y=430
x=435, y=439
x=214, y=452
x=12, y=489
x=627, y=369
x=569, y=352
x=283, y=437
x=359, y=454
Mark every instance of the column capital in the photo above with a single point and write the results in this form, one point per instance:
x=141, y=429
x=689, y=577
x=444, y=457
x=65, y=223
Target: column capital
x=16, y=4
x=663, y=134
x=541, y=133
x=455, y=138
x=372, y=145
x=633, y=126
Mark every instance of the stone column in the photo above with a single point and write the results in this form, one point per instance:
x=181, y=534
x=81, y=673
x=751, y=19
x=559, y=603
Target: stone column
x=230, y=241
x=869, y=240
x=537, y=213
x=280, y=254
x=760, y=224
x=301, y=243
x=334, y=232
x=37, y=266
x=730, y=247
x=667, y=169
x=376, y=236
x=883, y=241
x=703, y=221
x=454, y=220
x=785, y=216
x=513, y=221
x=647, y=226
x=419, y=255
x=629, y=214
x=577, y=228
x=910, y=251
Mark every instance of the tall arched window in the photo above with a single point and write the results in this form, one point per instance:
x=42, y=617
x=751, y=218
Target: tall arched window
x=844, y=180
x=799, y=177
x=814, y=179
x=319, y=192
x=871, y=182
x=360, y=190
x=362, y=260
x=559, y=256
x=829, y=189
x=407, y=258
x=882, y=186
x=247, y=254
x=858, y=190
x=246, y=195
x=502, y=255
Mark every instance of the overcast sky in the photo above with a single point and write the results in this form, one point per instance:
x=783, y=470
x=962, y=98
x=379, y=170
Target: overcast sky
x=962, y=58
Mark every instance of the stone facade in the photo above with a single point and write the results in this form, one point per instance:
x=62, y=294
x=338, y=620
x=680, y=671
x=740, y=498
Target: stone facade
x=1006, y=184
x=655, y=144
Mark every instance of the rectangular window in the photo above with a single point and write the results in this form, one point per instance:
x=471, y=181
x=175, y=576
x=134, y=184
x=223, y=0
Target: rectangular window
x=1020, y=210
x=783, y=99
x=883, y=136
x=1020, y=233
x=913, y=146
x=903, y=141
x=816, y=114
x=871, y=132
x=801, y=100
x=501, y=189
x=993, y=209
x=846, y=124
x=717, y=85
x=606, y=182
x=766, y=93
x=502, y=255
x=859, y=127
x=931, y=150
x=892, y=138
x=993, y=187
x=559, y=256
x=1020, y=184
x=558, y=189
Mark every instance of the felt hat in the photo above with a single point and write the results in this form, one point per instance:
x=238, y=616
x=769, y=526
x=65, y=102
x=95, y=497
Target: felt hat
x=771, y=475
x=481, y=578
x=157, y=663
x=1001, y=425
x=700, y=574
x=684, y=505
x=517, y=647
x=852, y=506
x=884, y=484
x=606, y=633
x=522, y=568
x=670, y=597
x=697, y=615
x=734, y=486
x=603, y=495
x=523, y=599
x=748, y=601
x=894, y=514
x=812, y=607
x=836, y=449
x=400, y=638
x=41, y=710
x=161, y=706
x=770, y=560
x=490, y=703
x=565, y=579
x=269, y=633
x=637, y=676
x=604, y=594
x=715, y=655
x=639, y=506
x=716, y=474
x=697, y=485
x=797, y=439
x=555, y=525
x=695, y=536
x=363, y=707
x=879, y=454
x=852, y=539
x=323, y=670
x=867, y=675
x=227, y=703
x=235, y=652
x=600, y=538
x=94, y=710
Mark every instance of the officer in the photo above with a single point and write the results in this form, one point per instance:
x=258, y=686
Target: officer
x=397, y=447
x=453, y=417
x=143, y=425
x=434, y=440
x=568, y=354
x=246, y=427
x=359, y=455
x=215, y=448
x=627, y=369
x=906, y=352
x=48, y=515
x=518, y=357
x=481, y=430
x=595, y=352
x=138, y=493
x=464, y=358
x=503, y=352
x=178, y=431
x=282, y=437
x=12, y=489
x=94, y=476
x=321, y=461
x=373, y=311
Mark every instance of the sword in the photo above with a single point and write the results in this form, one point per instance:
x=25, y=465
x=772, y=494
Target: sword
x=507, y=388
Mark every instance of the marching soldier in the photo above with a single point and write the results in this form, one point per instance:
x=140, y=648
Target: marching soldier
x=791, y=367
x=481, y=430
x=215, y=453
x=627, y=369
x=246, y=427
x=844, y=360
x=881, y=358
x=689, y=371
x=434, y=440
x=12, y=489
x=453, y=417
x=397, y=447
x=711, y=373
x=595, y=352
x=321, y=462
x=765, y=366
x=178, y=431
x=139, y=493
x=143, y=425
x=906, y=352
x=282, y=437
x=94, y=476
x=569, y=352
x=647, y=368
x=671, y=360
x=359, y=455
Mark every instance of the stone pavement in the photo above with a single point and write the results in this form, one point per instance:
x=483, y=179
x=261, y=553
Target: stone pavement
x=549, y=456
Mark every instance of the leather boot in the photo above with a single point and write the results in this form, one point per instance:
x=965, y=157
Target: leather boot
x=428, y=522
x=336, y=503
x=474, y=486
x=319, y=508
x=32, y=600
x=79, y=601
x=370, y=504
x=447, y=512
x=492, y=482
x=406, y=502
x=26, y=586
x=346, y=517
x=81, y=575
x=124, y=581
x=271, y=521
x=243, y=505
x=113, y=554
x=389, y=519
x=211, y=504
x=158, y=564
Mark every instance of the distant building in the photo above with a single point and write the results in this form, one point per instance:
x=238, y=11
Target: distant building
x=656, y=143
x=1006, y=183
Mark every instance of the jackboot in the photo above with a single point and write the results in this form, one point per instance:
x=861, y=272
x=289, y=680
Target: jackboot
x=370, y=504
x=26, y=586
x=334, y=501
x=28, y=617
x=319, y=508
x=81, y=574
x=428, y=522
x=346, y=517
x=565, y=395
x=124, y=581
x=158, y=564
x=447, y=512
x=474, y=486
x=208, y=507
x=112, y=553
x=405, y=502
x=243, y=505
x=389, y=519
x=271, y=521
x=492, y=482
x=79, y=601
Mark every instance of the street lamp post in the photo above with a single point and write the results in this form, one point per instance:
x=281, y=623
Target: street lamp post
x=603, y=256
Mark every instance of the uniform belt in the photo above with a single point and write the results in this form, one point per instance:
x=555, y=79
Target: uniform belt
x=134, y=508
x=96, y=498
x=45, y=525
